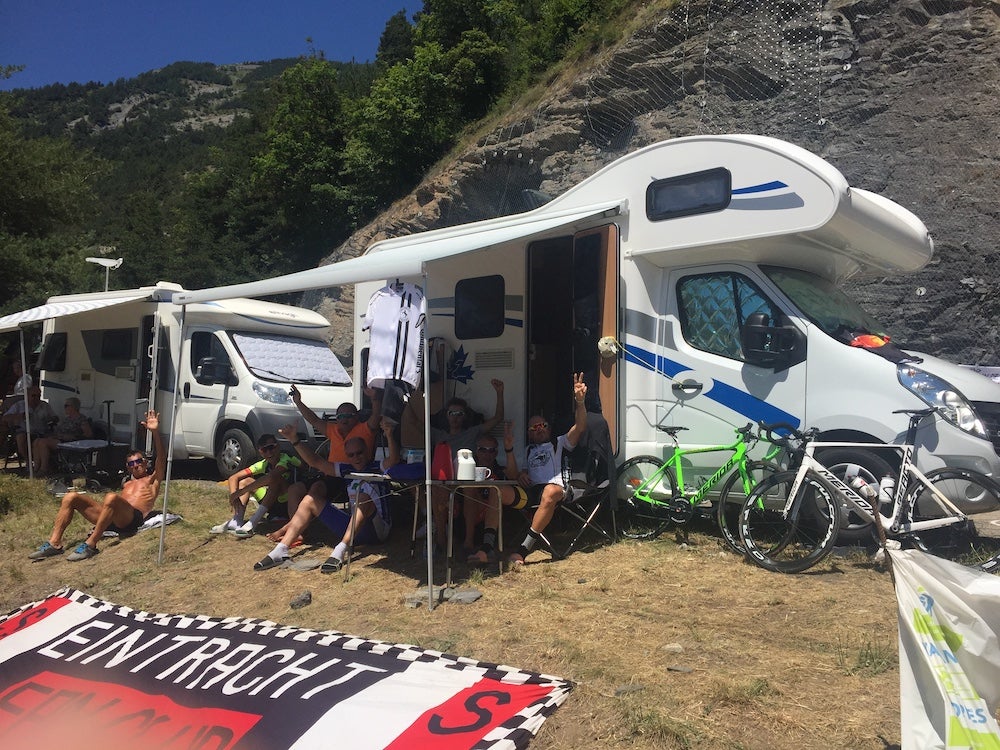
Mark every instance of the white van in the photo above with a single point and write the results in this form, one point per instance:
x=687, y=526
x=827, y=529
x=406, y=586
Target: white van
x=120, y=351
x=715, y=262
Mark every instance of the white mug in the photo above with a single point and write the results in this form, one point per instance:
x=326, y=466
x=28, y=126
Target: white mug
x=482, y=473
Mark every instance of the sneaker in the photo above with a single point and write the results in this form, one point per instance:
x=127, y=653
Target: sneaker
x=83, y=551
x=269, y=562
x=332, y=565
x=46, y=550
x=245, y=531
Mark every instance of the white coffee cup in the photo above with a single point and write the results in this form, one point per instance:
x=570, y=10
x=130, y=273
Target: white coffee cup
x=482, y=473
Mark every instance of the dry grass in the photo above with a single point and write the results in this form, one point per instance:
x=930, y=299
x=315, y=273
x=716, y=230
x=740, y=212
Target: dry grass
x=669, y=647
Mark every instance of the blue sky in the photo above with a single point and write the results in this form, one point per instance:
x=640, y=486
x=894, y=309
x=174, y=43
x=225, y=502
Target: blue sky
x=62, y=41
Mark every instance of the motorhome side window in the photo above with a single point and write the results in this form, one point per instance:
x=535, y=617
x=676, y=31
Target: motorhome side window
x=713, y=308
x=53, y=355
x=209, y=360
x=110, y=349
x=479, y=308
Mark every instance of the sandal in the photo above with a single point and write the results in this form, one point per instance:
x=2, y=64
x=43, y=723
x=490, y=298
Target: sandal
x=332, y=565
x=479, y=557
x=269, y=562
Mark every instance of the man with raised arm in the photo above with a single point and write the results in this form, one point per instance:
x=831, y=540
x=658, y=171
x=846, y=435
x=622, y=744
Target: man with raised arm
x=542, y=472
x=123, y=511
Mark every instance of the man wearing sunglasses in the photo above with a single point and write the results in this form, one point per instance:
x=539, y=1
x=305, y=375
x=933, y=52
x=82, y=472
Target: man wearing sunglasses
x=267, y=480
x=478, y=507
x=368, y=521
x=542, y=475
x=122, y=512
x=345, y=425
x=460, y=434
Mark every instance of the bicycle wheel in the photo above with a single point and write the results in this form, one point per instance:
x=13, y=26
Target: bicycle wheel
x=638, y=518
x=794, y=543
x=958, y=542
x=731, y=499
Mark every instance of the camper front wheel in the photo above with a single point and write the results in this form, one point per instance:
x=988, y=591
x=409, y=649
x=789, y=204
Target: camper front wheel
x=235, y=451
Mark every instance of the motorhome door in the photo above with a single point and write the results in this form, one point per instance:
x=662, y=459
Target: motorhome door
x=572, y=302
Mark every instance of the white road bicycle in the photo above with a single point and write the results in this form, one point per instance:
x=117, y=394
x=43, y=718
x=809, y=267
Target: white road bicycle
x=789, y=521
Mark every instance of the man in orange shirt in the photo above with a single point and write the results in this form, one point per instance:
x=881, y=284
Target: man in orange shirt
x=346, y=425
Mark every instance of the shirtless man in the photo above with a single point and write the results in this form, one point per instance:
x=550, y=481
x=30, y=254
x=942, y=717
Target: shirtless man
x=123, y=511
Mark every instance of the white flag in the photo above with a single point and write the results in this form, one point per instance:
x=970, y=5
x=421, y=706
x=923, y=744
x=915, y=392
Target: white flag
x=949, y=658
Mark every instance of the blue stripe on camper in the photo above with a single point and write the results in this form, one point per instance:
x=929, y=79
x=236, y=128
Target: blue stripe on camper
x=739, y=401
x=516, y=323
x=763, y=187
x=54, y=386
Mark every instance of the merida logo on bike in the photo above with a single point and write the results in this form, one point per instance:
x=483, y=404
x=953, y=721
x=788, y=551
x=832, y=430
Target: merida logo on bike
x=846, y=489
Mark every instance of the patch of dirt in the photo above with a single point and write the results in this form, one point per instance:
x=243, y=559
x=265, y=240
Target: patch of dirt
x=669, y=646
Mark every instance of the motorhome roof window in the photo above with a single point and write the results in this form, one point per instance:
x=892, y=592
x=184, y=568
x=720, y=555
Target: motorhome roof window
x=689, y=194
x=290, y=359
x=479, y=308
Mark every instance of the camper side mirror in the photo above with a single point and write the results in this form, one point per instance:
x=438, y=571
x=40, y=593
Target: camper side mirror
x=764, y=345
x=211, y=372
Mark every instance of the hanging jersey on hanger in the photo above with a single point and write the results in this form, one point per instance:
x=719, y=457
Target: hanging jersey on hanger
x=395, y=320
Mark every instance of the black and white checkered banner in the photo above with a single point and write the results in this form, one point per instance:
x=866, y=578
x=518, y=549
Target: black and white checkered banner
x=91, y=674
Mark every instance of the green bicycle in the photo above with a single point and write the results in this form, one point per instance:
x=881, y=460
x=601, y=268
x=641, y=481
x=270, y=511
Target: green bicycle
x=652, y=494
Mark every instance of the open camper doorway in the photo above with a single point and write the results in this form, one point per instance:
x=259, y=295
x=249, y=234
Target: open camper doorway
x=572, y=302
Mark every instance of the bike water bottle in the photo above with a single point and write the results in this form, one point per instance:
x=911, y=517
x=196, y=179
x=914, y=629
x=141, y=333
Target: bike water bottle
x=886, y=489
x=859, y=485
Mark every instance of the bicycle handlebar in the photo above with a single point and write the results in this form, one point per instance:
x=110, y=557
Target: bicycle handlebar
x=795, y=440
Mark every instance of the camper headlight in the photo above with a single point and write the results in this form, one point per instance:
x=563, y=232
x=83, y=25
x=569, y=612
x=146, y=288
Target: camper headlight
x=939, y=393
x=272, y=394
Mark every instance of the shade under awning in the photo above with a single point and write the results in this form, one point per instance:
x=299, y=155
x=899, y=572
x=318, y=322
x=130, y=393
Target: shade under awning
x=61, y=309
x=405, y=256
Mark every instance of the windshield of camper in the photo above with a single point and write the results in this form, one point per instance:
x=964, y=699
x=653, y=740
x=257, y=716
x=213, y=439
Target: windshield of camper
x=290, y=359
x=824, y=303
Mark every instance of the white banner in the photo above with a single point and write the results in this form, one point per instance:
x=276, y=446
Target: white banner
x=949, y=657
x=86, y=673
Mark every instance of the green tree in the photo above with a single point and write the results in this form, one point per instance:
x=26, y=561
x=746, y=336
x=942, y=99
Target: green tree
x=299, y=169
x=396, y=43
x=400, y=129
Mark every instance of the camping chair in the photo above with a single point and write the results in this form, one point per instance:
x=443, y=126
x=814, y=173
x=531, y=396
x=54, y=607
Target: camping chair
x=589, y=470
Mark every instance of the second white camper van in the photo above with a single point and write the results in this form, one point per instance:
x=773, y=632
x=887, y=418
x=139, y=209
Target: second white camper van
x=122, y=352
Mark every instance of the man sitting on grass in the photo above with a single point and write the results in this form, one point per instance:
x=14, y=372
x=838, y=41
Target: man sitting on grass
x=368, y=521
x=266, y=480
x=123, y=511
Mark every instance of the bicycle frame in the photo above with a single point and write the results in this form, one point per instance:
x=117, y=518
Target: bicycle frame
x=895, y=523
x=738, y=448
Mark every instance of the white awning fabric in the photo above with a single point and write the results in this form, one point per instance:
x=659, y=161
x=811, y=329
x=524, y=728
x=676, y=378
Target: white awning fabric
x=405, y=256
x=61, y=309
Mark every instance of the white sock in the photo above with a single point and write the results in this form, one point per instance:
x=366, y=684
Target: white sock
x=280, y=551
x=339, y=551
x=233, y=524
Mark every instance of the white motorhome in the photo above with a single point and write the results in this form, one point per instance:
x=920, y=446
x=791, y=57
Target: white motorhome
x=715, y=262
x=122, y=352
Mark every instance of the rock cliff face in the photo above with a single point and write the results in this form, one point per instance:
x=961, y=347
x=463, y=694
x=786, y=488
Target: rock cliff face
x=902, y=96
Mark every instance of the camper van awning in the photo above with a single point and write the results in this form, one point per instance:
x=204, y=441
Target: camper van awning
x=61, y=309
x=405, y=256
